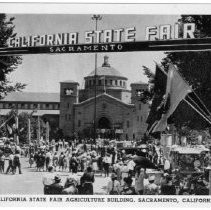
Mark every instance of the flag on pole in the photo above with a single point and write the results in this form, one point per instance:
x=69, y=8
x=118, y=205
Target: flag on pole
x=9, y=129
x=176, y=90
x=10, y=125
x=156, y=109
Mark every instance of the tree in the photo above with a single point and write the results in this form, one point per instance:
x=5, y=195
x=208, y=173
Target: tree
x=195, y=68
x=7, y=63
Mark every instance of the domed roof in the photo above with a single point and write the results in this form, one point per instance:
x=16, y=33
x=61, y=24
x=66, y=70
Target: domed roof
x=106, y=70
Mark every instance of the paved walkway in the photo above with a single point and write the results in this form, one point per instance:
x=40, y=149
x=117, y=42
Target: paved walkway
x=30, y=182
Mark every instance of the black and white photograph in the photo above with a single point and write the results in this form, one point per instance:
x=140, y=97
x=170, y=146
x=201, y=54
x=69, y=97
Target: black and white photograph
x=105, y=104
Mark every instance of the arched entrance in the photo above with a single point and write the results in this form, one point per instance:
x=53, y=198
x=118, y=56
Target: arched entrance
x=105, y=129
x=104, y=123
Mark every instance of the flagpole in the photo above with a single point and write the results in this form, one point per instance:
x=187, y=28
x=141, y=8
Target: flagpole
x=47, y=132
x=17, y=127
x=196, y=110
x=202, y=112
x=96, y=18
x=104, y=85
x=29, y=129
x=38, y=134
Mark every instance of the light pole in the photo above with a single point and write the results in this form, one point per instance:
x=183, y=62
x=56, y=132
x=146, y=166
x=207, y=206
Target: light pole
x=96, y=18
x=38, y=130
x=29, y=125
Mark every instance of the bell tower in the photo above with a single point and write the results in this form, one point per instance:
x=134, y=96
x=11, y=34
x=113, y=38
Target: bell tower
x=141, y=109
x=68, y=96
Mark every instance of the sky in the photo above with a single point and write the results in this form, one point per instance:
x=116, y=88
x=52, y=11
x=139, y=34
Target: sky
x=44, y=72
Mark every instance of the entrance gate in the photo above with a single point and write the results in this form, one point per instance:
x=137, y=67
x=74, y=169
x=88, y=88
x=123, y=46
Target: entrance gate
x=192, y=44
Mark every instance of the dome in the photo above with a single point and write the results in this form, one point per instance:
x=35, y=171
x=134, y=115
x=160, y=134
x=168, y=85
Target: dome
x=106, y=70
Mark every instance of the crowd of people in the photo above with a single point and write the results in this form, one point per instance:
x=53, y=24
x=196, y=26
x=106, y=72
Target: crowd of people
x=11, y=153
x=125, y=176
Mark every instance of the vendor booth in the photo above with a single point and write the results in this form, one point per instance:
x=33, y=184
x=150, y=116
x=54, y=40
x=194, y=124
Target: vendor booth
x=188, y=159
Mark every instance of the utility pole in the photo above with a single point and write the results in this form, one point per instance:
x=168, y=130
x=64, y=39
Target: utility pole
x=47, y=132
x=38, y=130
x=96, y=18
x=29, y=130
x=29, y=126
x=17, y=129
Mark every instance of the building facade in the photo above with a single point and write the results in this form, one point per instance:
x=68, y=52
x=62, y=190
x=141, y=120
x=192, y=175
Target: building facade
x=41, y=106
x=119, y=111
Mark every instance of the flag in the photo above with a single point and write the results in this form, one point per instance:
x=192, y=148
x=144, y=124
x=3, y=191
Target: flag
x=176, y=90
x=156, y=111
x=9, y=129
x=10, y=125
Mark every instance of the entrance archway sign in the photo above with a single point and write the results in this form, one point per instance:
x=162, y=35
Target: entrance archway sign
x=158, y=38
x=198, y=44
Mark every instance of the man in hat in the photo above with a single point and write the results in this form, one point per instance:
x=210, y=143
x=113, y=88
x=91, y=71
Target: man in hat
x=128, y=189
x=56, y=188
x=131, y=165
x=151, y=188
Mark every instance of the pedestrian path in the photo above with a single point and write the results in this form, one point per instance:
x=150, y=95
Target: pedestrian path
x=30, y=182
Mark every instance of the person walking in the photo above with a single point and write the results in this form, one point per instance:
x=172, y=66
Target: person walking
x=106, y=161
x=48, y=158
x=61, y=161
x=139, y=181
x=124, y=171
x=73, y=165
x=16, y=162
x=55, y=160
x=87, y=181
x=10, y=165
